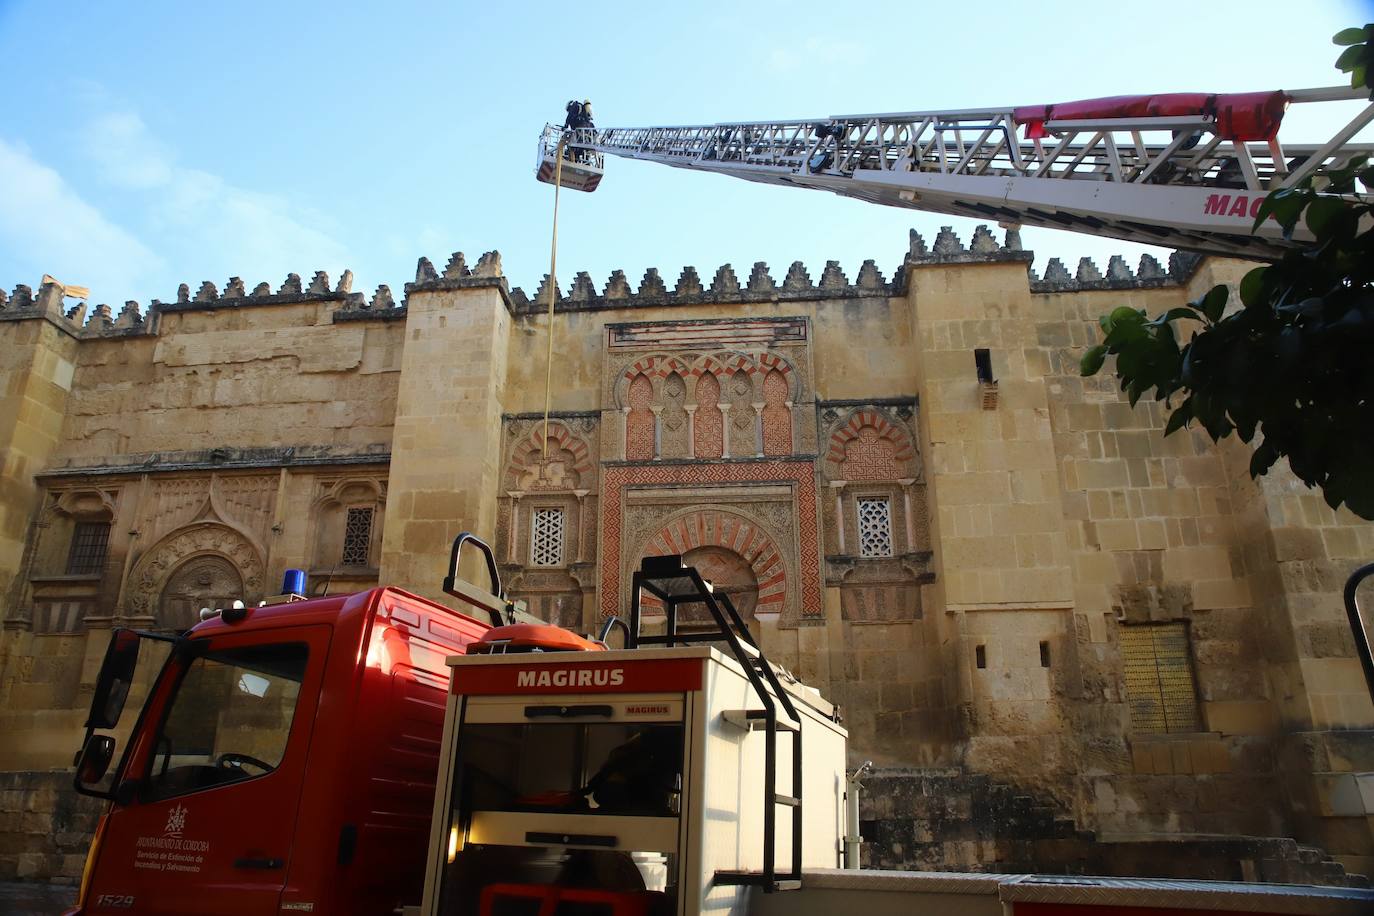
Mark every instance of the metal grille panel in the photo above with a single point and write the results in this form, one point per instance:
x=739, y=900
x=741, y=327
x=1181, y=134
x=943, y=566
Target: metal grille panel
x=357, y=547
x=875, y=528
x=1159, y=679
x=546, y=537
x=89, y=543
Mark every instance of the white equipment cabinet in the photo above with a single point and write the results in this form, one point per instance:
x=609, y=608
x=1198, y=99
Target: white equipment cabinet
x=632, y=782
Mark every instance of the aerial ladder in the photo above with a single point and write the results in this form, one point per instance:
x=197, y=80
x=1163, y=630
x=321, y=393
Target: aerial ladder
x=1180, y=170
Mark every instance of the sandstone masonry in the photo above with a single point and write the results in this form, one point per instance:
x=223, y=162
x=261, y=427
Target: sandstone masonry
x=1099, y=647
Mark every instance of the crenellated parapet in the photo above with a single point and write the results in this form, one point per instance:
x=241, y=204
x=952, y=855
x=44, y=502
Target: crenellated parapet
x=1149, y=274
x=725, y=287
x=291, y=291
x=87, y=321
x=456, y=275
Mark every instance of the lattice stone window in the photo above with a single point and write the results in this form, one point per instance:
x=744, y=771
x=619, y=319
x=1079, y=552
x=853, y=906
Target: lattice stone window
x=89, y=542
x=1159, y=679
x=875, y=527
x=357, y=545
x=546, y=537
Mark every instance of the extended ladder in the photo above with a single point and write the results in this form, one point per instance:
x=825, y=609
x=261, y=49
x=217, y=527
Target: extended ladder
x=1165, y=172
x=674, y=584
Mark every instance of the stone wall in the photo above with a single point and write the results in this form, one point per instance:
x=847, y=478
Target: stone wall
x=45, y=827
x=905, y=484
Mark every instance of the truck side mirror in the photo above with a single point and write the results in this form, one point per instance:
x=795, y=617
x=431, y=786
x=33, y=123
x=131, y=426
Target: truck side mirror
x=94, y=759
x=115, y=678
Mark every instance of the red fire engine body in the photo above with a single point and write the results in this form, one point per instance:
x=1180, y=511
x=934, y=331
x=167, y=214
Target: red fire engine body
x=286, y=759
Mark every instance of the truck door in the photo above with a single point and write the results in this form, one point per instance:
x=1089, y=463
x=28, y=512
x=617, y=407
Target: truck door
x=218, y=778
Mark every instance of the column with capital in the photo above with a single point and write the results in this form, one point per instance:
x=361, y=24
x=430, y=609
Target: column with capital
x=837, y=486
x=906, y=513
x=581, y=523
x=512, y=553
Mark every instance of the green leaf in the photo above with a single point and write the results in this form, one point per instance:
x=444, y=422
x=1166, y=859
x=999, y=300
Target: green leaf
x=1179, y=418
x=1323, y=214
x=1214, y=303
x=1350, y=36
x=1174, y=314
x=1092, y=360
x=1263, y=458
x=1252, y=287
x=1350, y=56
x=1125, y=314
x=1289, y=204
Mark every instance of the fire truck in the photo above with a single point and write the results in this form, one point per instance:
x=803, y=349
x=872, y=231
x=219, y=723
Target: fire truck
x=379, y=753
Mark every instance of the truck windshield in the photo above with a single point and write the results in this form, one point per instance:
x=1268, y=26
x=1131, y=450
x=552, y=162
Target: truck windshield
x=229, y=719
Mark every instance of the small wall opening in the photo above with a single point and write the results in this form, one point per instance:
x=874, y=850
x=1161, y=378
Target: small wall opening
x=1044, y=654
x=982, y=358
x=980, y=656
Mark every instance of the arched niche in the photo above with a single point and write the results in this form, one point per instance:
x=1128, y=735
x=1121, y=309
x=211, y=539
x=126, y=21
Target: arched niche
x=348, y=526
x=207, y=580
x=153, y=571
x=67, y=514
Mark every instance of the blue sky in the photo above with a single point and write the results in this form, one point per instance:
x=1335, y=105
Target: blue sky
x=145, y=145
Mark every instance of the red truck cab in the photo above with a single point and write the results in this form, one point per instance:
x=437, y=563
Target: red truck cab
x=284, y=762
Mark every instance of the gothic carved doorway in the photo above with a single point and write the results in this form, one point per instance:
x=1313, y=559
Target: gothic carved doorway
x=204, y=581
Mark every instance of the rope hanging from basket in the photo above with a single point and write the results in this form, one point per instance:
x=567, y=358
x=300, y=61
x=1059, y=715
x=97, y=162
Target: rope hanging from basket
x=553, y=287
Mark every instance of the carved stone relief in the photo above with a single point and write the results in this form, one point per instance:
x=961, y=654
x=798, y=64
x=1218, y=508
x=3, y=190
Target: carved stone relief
x=204, y=581
x=217, y=539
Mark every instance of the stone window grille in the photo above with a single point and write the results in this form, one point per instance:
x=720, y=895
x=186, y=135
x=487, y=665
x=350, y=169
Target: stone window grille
x=89, y=543
x=875, y=527
x=357, y=544
x=1159, y=679
x=546, y=537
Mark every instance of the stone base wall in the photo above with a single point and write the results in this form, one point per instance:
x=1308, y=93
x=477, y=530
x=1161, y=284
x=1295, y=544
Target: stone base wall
x=45, y=827
x=949, y=820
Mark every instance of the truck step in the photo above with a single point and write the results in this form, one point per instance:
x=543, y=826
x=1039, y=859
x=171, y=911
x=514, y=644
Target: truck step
x=756, y=719
x=784, y=881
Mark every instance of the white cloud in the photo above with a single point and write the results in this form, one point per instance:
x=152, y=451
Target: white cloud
x=203, y=219
x=47, y=224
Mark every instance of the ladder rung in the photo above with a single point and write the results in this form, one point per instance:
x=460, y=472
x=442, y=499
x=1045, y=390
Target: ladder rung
x=790, y=801
x=760, y=716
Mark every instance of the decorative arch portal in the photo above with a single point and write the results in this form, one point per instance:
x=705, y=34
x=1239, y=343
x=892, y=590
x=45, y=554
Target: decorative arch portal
x=733, y=552
x=155, y=571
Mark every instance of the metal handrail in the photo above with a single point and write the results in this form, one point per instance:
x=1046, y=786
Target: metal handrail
x=1352, y=609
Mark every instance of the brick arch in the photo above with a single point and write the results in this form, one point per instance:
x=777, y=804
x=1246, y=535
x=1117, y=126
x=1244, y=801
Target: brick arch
x=866, y=427
x=720, y=528
x=708, y=365
x=529, y=451
x=655, y=366
x=768, y=362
